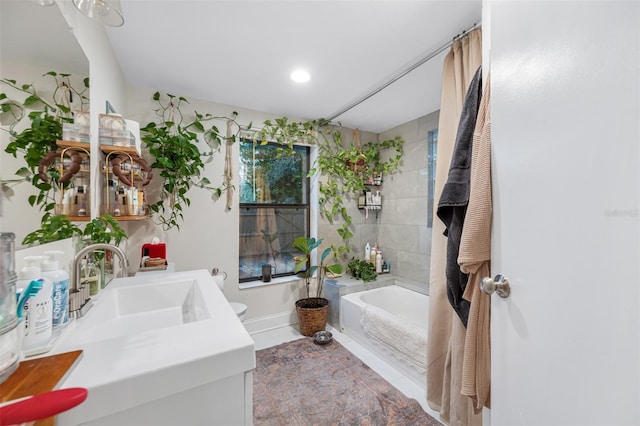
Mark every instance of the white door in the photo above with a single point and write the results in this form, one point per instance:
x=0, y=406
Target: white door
x=565, y=127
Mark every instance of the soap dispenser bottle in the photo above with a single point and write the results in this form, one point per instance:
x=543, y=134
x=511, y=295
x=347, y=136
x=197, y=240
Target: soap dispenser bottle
x=60, y=279
x=36, y=309
x=91, y=276
x=379, y=262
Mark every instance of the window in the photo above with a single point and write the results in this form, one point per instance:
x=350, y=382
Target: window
x=274, y=207
x=432, y=141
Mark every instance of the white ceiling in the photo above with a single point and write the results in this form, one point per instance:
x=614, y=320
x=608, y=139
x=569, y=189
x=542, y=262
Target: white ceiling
x=37, y=35
x=241, y=53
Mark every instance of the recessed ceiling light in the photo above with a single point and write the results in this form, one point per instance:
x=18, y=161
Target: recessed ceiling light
x=300, y=76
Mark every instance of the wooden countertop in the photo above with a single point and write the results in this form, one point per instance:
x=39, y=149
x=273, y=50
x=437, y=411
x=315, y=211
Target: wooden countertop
x=37, y=376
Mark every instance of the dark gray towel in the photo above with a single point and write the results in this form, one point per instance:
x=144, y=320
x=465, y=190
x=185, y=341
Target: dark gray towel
x=454, y=199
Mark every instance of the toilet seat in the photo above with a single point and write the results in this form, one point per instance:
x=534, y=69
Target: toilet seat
x=240, y=309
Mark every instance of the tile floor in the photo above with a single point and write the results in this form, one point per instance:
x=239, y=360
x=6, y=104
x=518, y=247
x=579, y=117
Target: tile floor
x=266, y=339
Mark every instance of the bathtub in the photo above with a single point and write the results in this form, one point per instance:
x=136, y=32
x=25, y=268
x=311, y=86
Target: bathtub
x=391, y=322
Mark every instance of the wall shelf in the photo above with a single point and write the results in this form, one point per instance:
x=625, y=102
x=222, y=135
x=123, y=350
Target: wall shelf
x=72, y=144
x=79, y=218
x=125, y=218
x=107, y=149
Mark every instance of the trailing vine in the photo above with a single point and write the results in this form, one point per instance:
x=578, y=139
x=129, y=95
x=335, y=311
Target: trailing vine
x=287, y=133
x=174, y=144
x=52, y=228
x=333, y=162
x=45, y=127
x=102, y=229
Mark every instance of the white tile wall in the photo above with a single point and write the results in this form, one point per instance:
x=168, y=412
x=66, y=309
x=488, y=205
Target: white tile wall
x=402, y=229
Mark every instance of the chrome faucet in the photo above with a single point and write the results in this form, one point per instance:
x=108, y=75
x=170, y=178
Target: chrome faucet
x=79, y=300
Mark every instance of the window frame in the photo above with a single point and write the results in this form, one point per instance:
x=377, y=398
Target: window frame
x=310, y=196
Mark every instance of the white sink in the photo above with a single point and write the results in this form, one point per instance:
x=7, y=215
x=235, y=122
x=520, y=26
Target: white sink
x=152, y=337
x=133, y=309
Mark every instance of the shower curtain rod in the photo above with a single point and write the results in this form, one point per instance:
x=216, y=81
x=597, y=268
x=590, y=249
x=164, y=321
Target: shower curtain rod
x=407, y=71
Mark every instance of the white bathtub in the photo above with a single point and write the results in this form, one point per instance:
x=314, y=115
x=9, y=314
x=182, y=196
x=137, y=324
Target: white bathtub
x=391, y=322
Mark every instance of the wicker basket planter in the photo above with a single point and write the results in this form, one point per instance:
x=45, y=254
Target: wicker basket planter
x=359, y=166
x=312, y=314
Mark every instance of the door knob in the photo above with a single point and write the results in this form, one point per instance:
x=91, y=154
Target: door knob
x=499, y=285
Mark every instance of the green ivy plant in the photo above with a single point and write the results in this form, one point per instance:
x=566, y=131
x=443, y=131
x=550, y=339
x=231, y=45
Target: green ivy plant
x=288, y=133
x=173, y=141
x=52, y=228
x=362, y=270
x=334, y=158
x=333, y=162
x=45, y=127
x=102, y=229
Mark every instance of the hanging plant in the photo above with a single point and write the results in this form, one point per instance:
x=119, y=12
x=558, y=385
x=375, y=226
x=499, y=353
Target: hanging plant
x=45, y=127
x=288, y=133
x=344, y=167
x=174, y=143
x=52, y=228
x=357, y=161
x=102, y=229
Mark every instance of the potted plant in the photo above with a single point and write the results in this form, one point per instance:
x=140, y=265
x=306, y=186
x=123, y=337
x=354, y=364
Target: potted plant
x=362, y=270
x=312, y=311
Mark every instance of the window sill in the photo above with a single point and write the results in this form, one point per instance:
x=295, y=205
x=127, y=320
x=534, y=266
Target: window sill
x=280, y=280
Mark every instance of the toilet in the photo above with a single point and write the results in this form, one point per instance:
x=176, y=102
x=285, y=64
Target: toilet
x=239, y=308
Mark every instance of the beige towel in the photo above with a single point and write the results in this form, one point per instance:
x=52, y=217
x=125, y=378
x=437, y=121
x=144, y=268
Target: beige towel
x=474, y=258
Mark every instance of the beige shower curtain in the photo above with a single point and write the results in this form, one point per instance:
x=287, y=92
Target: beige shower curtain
x=445, y=345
